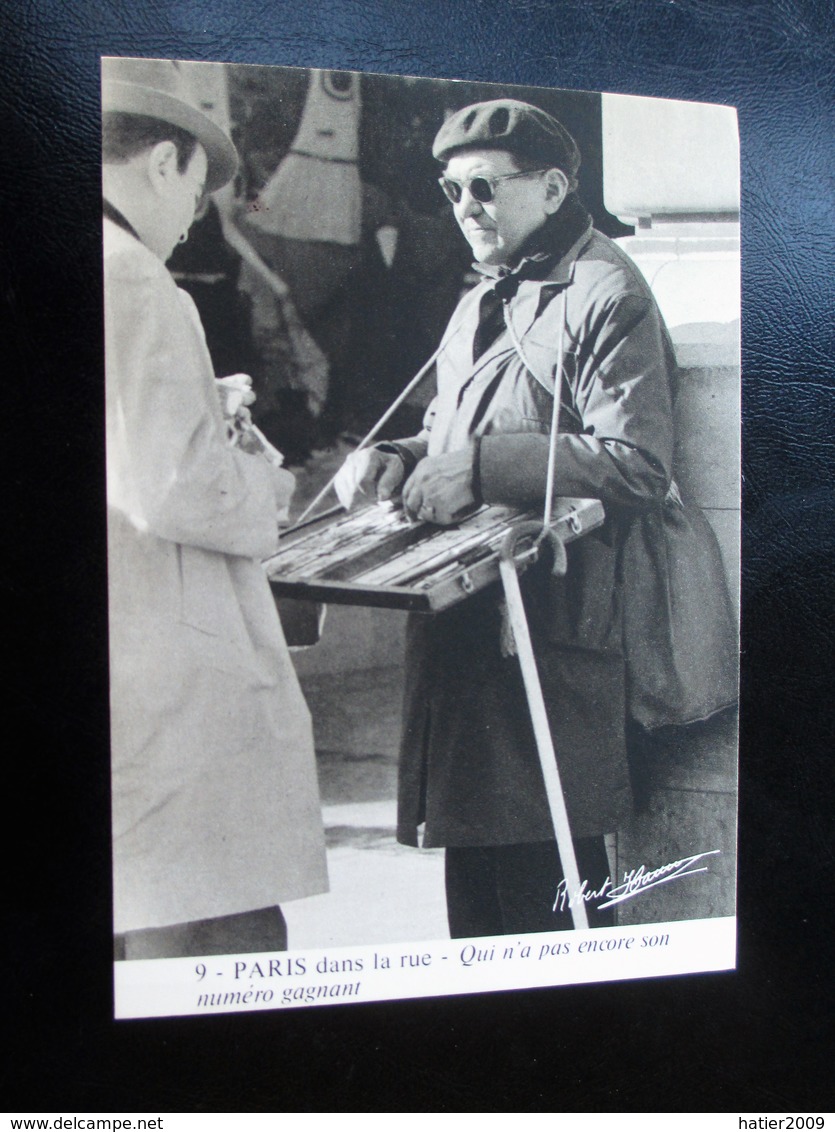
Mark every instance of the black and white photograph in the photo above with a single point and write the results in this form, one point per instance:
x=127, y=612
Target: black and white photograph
x=422, y=357
x=422, y=404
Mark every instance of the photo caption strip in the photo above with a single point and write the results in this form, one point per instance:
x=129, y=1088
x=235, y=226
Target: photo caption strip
x=282, y=980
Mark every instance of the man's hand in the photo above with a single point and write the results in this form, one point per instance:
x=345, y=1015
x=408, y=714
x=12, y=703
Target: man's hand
x=235, y=395
x=440, y=490
x=369, y=476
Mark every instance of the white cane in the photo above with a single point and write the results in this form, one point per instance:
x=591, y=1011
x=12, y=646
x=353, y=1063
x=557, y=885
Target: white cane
x=536, y=702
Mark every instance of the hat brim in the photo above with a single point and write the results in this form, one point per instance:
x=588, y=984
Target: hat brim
x=132, y=98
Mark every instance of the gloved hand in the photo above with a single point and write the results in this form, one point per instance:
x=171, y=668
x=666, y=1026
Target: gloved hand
x=440, y=489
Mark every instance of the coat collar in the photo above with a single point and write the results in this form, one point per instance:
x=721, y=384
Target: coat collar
x=111, y=212
x=531, y=299
x=555, y=271
x=549, y=253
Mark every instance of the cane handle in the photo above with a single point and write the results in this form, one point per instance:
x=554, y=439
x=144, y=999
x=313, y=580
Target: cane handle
x=536, y=533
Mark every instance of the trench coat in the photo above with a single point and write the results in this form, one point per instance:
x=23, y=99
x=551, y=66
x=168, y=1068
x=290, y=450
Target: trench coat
x=469, y=767
x=214, y=794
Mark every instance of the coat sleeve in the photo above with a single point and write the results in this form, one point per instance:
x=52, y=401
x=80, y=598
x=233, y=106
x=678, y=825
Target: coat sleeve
x=414, y=448
x=622, y=387
x=171, y=471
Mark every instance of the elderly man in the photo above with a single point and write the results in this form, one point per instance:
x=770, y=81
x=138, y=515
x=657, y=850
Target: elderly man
x=469, y=768
x=216, y=814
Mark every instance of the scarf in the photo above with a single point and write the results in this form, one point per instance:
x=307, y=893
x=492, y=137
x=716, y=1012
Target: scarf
x=538, y=256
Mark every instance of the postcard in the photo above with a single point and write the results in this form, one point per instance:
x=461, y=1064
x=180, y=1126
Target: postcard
x=423, y=535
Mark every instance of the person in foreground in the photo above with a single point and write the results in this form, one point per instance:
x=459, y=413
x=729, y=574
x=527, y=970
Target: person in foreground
x=469, y=767
x=216, y=816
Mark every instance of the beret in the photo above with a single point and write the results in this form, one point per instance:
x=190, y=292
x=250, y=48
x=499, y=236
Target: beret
x=516, y=127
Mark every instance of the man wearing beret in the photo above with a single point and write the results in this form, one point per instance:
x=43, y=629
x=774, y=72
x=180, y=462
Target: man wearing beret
x=469, y=767
x=216, y=816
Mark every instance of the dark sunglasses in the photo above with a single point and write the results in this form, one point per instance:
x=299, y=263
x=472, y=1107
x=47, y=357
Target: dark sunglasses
x=482, y=189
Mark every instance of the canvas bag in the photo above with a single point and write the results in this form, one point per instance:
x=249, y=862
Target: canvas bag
x=680, y=637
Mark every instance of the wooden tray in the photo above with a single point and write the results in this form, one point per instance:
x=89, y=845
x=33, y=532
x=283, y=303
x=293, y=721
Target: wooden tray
x=375, y=557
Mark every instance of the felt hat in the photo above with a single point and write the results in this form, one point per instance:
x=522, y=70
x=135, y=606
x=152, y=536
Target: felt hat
x=157, y=88
x=515, y=127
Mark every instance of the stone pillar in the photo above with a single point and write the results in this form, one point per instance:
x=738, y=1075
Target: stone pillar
x=671, y=169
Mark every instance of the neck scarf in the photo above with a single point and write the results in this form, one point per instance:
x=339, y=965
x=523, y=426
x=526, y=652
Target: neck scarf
x=542, y=250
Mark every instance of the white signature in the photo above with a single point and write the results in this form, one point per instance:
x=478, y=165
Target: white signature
x=635, y=881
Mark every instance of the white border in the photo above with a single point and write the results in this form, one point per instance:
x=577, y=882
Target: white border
x=284, y=980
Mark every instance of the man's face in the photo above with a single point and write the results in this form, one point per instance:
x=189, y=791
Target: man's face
x=497, y=230
x=179, y=200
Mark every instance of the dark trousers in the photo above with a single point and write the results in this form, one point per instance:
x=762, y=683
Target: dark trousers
x=243, y=933
x=511, y=889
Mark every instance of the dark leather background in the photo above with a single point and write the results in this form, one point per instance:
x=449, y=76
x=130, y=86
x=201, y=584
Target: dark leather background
x=758, y=1040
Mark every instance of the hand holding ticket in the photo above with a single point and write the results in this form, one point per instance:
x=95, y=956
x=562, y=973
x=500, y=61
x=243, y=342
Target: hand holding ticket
x=236, y=395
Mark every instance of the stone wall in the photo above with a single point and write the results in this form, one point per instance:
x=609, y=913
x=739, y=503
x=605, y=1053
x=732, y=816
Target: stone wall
x=671, y=169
